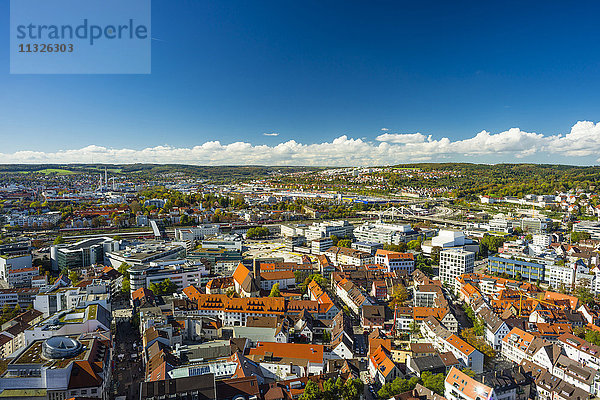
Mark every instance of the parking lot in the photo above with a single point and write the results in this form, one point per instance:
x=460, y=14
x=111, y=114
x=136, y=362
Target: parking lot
x=271, y=249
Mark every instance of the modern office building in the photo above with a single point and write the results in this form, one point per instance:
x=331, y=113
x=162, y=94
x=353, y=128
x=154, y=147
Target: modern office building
x=531, y=269
x=367, y=247
x=385, y=233
x=534, y=225
x=320, y=230
x=591, y=227
x=319, y=246
x=221, y=261
x=455, y=262
x=82, y=254
x=143, y=253
x=197, y=232
x=180, y=272
x=542, y=240
x=228, y=243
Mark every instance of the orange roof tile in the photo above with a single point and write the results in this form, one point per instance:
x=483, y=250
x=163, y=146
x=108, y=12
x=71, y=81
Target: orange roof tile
x=382, y=361
x=467, y=386
x=310, y=352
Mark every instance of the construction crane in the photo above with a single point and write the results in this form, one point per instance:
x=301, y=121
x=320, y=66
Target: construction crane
x=393, y=332
x=526, y=295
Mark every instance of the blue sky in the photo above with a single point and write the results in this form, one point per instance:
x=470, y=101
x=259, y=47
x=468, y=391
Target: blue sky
x=316, y=71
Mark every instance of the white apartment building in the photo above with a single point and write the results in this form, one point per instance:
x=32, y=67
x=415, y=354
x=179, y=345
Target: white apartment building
x=346, y=256
x=444, y=340
x=17, y=278
x=455, y=262
x=319, y=246
x=22, y=219
x=542, y=240
x=560, y=275
x=519, y=345
x=395, y=261
x=578, y=349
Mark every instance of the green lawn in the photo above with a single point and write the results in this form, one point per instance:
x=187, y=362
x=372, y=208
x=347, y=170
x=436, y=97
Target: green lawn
x=47, y=171
x=56, y=171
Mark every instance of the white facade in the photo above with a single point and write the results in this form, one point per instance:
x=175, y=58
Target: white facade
x=581, y=351
x=182, y=277
x=326, y=229
x=542, y=240
x=560, y=275
x=21, y=277
x=446, y=238
x=319, y=246
x=196, y=233
x=455, y=262
x=395, y=263
x=8, y=263
x=385, y=233
x=284, y=283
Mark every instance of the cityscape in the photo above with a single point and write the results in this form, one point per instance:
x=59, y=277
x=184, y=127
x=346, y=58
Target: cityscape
x=299, y=283
x=284, y=200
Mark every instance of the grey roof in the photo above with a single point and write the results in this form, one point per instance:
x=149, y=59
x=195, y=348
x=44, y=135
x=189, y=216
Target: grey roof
x=86, y=243
x=204, y=385
x=373, y=311
x=422, y=392
x=490, y=319
x=427, y=363
x=506, y=380
x=436, y=326
x=207, y=351
x=576, y=370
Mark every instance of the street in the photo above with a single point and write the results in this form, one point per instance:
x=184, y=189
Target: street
x=128, y=372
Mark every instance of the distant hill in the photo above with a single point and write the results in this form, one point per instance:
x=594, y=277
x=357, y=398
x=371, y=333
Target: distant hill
x=151, y=171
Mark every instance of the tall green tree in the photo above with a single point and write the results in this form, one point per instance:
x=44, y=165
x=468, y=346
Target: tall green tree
x=434, y=382
x=311, y=391
x=275, y=292
x=165, y=287
x=353, y=389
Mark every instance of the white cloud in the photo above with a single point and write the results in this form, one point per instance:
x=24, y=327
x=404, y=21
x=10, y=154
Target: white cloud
x=271, y=134
x=385, y=129
x=583, y=140
x=401, y=137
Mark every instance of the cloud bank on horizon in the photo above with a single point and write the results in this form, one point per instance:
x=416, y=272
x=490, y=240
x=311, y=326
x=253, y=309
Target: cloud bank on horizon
x=583, y=140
